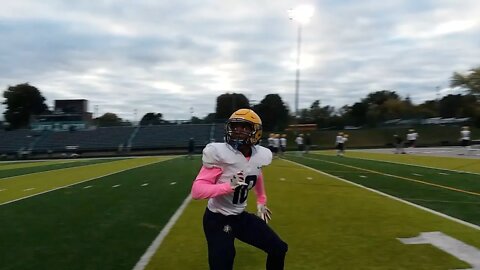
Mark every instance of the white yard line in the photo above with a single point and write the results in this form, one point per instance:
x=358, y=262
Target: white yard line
x=398, y=176
x=145, y=259
x=391, y=197
x=409, y=164
x=90, y=179
x=61, y=169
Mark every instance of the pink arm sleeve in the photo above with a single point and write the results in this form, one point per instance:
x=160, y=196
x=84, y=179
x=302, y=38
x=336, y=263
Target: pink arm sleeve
x=260, y=190
x=205, y=186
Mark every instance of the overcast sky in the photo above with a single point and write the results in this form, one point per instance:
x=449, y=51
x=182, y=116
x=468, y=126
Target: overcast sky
x=171, y=56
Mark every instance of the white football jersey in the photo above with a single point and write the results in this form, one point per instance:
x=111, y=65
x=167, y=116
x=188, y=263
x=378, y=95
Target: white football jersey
x=283, y=142
x=276, y=142
x=339, y=139
x=465, y=134
x=232, y=161
x=412, y=136
x=270, y=141
x=299, y=140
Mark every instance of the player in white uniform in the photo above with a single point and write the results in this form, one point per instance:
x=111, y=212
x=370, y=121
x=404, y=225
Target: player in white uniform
x=283, y=144
x=412, y=138
x=465, y=139
x=230, y=170
x=339, y=144
x=270, y=141
x=299, y=141
x=276, y=144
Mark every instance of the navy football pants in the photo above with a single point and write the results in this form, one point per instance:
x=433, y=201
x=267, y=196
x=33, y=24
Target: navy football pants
x=221, y=232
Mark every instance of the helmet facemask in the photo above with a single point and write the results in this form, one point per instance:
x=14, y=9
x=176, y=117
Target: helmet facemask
x=237, y=137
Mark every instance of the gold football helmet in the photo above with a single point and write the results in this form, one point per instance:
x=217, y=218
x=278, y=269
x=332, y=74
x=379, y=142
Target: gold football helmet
x=244, y=116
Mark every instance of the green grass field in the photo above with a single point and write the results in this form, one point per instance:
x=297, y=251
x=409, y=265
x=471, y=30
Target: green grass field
x=105, y=214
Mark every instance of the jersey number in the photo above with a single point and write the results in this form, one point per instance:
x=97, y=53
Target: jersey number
x=241, y=192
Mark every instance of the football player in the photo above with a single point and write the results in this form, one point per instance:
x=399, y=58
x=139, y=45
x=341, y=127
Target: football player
x=465, y=139
x=230, y=170
x=283, y=144
x=339, y=144
x=412, y=138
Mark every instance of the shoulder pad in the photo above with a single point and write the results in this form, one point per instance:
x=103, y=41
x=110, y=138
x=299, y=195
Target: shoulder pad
x=264, y=155
x=210, y=156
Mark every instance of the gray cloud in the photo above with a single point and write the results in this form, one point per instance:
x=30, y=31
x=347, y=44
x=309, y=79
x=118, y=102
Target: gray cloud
x=170, y=57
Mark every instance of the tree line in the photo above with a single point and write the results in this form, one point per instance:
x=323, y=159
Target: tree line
x=24, y=101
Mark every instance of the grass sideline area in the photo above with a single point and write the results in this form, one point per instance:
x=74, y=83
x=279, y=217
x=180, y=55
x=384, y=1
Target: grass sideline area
x=16, y=165
x=454, y=194
x=449, y=163
x=22, y=186
x=429, y=135
x=106, y=226
x=50, y=167
x=328, y=224
x=108, y=222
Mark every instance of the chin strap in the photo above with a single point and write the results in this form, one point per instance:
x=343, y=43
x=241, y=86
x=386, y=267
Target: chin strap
x=237, y=143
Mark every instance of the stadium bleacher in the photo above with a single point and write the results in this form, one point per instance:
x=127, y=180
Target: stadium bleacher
x=17, y=140
x=105, y=138
x=172, y=136
x=110, y=139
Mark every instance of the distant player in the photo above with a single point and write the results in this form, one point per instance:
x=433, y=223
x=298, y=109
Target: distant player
x=339, y=144
x=465, y=139
x=398, y=141
x=283, y=144
x=191, y=147
x=308, y=143
x=276, y=144
x=299, y=142
x=270, y=141
x=230, y=170
x=412, y=138
x=345, y=139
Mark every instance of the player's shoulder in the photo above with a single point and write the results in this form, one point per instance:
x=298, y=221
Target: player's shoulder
x=263, y=155
x=212, y=153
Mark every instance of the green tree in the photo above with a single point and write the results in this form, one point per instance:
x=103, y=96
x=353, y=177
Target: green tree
x=358, y=113
x=380, y=97
x=460, y=106
x=395, y=108
x=449, y=106
x=316, y=114
x=469, y=81
x=109, y=120
x=23, y=101
x=228, y=103
x=428, y=109
x=151, y=118
x=210, y=118
x=196, y=120
x=273, y=112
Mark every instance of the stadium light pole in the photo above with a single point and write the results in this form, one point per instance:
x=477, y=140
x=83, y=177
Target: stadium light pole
x=301, y=15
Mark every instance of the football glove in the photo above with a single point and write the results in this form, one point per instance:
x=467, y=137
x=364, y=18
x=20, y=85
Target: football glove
x=264, y=213
x=237, y=180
